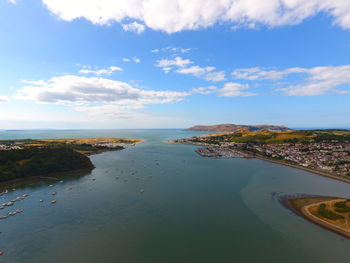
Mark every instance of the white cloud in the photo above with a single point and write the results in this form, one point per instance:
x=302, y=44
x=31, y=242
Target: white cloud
x=342, y=91
x=204, y=90
x=3, y=99
x=12, y=1
x=135, y=59
x=167, y=69
x=195, y=70
x=321, y=80
x=172, y=49
x=262, y=74
x=134, y=27
x=182, y=67
x=178, y=15
x=99, y=72
x=306, y=81
x=230, y=89
x=177, y=61
x=99, y=93
x=215, y=76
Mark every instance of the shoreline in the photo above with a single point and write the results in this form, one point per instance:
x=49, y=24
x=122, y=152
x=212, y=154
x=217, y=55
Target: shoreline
x=51, y=176
x=324, y=174
x=289, y=203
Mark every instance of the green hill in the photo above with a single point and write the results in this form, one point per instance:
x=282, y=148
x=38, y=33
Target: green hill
x=36, y=161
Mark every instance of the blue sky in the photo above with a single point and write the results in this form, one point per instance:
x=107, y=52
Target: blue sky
x=73, y=64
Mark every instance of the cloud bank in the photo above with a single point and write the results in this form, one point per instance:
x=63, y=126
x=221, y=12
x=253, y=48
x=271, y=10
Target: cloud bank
x=178, y=15
x=94, y=94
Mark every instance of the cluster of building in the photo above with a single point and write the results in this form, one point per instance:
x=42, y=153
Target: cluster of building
x=110, y=145
x=331, y=157
x=326, y=157
x=8, y=147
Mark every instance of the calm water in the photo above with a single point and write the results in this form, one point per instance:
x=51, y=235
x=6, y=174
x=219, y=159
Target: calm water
x=193, y=209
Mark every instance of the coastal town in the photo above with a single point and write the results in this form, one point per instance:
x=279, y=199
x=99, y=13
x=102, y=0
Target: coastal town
x=319, y=154
x=6, y=147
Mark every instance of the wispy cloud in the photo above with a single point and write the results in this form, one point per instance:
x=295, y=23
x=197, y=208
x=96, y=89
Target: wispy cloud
x=306, y=81
x=134, y=27
x=172, y=50
x=177, y=61
x=182, y=66
x=258, y=73
x=205, y=90
x=99, y=72
x=134, y=59
x=232, y=89
x=229, y=89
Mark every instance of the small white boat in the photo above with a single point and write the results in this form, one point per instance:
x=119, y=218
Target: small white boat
x=53, y=201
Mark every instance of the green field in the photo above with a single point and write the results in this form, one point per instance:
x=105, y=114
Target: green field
x=278, y=137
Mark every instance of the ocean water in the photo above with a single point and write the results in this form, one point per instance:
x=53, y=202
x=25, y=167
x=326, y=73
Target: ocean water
x=193, y=209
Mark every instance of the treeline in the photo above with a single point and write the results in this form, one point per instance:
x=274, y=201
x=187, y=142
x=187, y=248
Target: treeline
x=40, y=162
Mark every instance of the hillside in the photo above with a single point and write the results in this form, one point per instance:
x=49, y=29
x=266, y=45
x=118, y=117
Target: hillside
x=26, y=157
x=37, y=161
x=234, y=127
x=277, y=137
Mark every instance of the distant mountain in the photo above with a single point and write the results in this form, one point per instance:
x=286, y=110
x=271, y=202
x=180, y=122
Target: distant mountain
x=235, y=127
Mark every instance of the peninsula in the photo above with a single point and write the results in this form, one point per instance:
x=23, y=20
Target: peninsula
x=325, y=152
x=226, y=128
x=332, y=213
x=46, y=157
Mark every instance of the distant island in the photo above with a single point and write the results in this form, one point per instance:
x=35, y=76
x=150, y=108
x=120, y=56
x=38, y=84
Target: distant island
x=325, y=152
x=50, y=157
x=234, y=127
x=332, y=213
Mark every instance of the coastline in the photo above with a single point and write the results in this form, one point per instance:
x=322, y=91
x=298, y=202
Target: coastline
x=336, y=177
x=51, y=176
x=289, y=202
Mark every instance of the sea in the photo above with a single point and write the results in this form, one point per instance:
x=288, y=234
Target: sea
x=163, y=203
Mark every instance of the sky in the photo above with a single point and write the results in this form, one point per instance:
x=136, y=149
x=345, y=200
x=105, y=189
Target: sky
x=103, y=64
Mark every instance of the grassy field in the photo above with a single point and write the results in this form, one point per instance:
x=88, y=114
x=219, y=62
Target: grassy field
x=277, y=137
x=90, y=141
x=329, y=212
